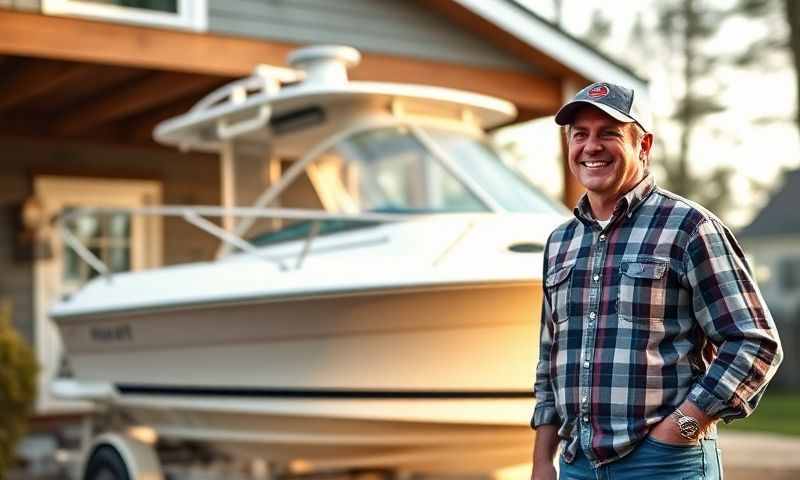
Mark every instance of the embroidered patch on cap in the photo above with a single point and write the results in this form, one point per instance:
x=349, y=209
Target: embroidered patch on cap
x=598, y=91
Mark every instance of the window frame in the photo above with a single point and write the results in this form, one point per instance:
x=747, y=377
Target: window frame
x=146, y=237
x=192, y=14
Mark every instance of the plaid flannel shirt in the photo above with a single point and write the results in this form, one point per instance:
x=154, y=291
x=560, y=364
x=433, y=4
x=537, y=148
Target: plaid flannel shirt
x=656, y=307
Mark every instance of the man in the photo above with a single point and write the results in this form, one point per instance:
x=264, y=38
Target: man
x=652, y=326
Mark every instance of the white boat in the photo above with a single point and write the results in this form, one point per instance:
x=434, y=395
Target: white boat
x=393, y=326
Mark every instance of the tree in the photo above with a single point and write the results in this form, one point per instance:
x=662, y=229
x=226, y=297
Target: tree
x=18, y=371
x=688, y=27
x=792, y=11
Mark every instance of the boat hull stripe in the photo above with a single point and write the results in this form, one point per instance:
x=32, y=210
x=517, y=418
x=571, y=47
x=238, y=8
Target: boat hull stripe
x=239, y=392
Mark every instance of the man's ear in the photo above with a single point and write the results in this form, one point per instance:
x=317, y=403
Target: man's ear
x=645, y=146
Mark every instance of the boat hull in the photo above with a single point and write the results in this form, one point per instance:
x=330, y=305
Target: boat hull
x=385, y=375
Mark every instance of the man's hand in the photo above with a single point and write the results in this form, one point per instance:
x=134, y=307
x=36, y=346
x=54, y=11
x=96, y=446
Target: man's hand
x=667, y=430
x=543, y=471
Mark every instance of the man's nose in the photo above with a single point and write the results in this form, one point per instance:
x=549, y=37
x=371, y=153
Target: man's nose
x=593, y=145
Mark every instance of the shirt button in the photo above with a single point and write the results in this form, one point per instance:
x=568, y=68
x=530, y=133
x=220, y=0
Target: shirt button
x=603, y=237
x=596, y=277
x=592, y=315
x=585, y=399
x=585, y=364
x=586, y=418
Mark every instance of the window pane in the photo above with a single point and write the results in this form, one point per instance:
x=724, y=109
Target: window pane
x=86, y=228
x=789, y=274
x=169, y=6
x=119, y=226
x=119, y=259
x=72, y=264
x=90, y=272
x=107, y=236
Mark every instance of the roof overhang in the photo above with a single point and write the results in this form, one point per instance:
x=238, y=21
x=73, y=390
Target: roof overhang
x=544, y=37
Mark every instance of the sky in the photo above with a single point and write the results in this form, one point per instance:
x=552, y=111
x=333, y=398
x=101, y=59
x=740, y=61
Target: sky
x=731, y=138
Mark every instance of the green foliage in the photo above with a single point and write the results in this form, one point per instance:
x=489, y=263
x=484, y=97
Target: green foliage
x=688, y=27
x=792, y=16
x=777, y=413
x=599, y=28
x=18, y=370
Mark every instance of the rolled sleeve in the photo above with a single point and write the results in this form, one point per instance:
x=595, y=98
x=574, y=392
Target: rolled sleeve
x=731, y=311
x=544, y=415
x=709, y=403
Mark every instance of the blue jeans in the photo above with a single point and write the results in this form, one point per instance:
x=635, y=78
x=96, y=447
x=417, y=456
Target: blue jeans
x=651, y=460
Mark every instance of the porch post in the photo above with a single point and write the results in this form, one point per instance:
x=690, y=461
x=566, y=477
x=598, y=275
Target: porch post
x=228, y=178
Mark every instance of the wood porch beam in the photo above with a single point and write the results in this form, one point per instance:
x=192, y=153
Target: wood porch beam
x=153, y=91
x=211, y=54
x=139, y=129
x=534, y=96
x=39, y=78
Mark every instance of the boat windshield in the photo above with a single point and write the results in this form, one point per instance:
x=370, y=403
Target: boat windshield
x=386, y=170
x=389, y=170
x=477, y=159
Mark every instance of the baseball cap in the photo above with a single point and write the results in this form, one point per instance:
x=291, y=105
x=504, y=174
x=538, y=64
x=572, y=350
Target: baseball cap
x=620, y=103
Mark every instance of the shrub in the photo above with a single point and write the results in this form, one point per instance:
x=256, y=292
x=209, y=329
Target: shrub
x=18, y=370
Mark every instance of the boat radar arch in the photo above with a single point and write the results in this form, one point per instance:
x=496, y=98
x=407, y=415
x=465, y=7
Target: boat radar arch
x=316, y=87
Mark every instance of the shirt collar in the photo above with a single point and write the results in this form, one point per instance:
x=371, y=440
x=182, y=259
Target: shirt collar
x=627, y=204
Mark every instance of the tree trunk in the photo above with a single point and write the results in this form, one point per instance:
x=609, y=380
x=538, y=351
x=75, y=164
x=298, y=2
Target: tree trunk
x=687, y=117
x=793, y=19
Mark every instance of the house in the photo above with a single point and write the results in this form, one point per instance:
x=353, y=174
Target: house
x=85, y=81
x=773, y=241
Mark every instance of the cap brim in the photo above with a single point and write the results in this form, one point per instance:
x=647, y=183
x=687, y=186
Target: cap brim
x=566, y=115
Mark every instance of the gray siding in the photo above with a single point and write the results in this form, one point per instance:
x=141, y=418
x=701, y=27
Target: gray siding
x=185, y=179
x=25, y=5
x=17, y=277
x=400, y=27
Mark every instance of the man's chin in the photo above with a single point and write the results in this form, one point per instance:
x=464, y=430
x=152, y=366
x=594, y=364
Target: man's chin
x=597, y=186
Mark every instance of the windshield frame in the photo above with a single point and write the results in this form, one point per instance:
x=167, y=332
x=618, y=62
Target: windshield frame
x=419, y=129
x=486, y=143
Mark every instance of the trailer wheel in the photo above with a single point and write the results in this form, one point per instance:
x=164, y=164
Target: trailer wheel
x=106, y=464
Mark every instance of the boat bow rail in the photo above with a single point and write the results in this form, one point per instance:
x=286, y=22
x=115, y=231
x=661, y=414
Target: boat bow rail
x=196, y=215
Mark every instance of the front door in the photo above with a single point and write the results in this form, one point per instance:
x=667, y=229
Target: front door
x=121, y=240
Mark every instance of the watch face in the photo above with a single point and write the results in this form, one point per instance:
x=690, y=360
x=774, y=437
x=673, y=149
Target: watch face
x=689, y=427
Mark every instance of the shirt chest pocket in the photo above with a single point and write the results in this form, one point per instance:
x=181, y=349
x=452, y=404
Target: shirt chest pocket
x=557, y=285
x=642, y=290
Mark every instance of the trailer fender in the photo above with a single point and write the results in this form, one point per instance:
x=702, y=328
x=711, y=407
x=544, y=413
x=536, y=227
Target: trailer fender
x=140, y=459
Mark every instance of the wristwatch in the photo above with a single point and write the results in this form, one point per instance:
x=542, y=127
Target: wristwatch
x=688, y=426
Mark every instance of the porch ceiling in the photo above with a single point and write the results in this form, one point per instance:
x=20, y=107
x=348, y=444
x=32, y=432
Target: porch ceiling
x=73, y=78
x=61, y=99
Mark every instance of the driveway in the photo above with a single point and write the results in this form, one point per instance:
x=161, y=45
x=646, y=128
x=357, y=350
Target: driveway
x=760, y=456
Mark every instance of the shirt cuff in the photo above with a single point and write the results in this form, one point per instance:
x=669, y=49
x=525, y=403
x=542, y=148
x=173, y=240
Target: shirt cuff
x=544, y=415
x=713, y=406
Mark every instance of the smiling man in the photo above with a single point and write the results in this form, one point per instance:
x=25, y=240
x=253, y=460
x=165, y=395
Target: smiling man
x=653, y=328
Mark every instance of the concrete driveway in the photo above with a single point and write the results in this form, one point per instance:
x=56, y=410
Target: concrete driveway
x=760, y=456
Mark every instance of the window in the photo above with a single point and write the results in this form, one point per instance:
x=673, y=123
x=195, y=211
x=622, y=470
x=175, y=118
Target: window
x=188, y=14
x=108, y=237
x=121, y=240
x=789, y=274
